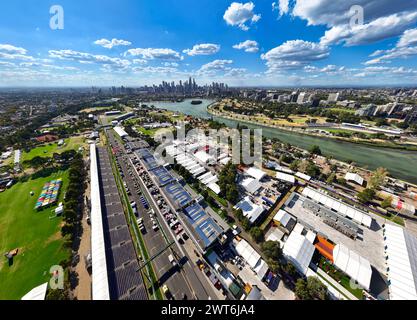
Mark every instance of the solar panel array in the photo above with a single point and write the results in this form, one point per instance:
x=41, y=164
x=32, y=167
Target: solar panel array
x=162, y=176
x=205, y=227
x=125, y=281
x=341, y=208
x=147, y=158
x=177, y=195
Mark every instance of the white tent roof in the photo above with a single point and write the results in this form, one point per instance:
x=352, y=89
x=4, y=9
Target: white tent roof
x=248, y=253
x=261, y=269
x=225, y=160
x=299, y=228
x=299, y=251
x=205, y=176
x=357, y=215
x=303, y=176
x=203, y=156
x=282, y=217
x=355, y=266
x=285, y=177
x=197, y=172
x=354, y=177
x=100, y=285
x=255, y=173
x=251, y=185
x=214, y=187
x=120, y=132
x=250, y=210
x=37, y=293
x=401, y=258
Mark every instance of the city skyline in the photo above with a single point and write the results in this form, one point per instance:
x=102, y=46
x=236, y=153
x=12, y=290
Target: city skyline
x=257, y=43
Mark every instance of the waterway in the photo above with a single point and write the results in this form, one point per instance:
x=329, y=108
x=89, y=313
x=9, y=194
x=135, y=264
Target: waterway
x=401, y=164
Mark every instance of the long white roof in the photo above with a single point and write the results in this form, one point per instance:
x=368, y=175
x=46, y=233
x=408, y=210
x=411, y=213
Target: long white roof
x=299, y=251
x=100, y=284
x=303, y=176
x=120, y=132
x=340, y=207
x=401, y=258
x=354, y=177
x=285, y=177
x=248, y=253
x=250, y=210
x=251, y=185
x=355, y=266
x=256, y=173
x=282, y=217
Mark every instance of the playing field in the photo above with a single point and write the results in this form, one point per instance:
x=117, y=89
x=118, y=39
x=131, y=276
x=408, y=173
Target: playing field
x=37, y=237
x=47, y=150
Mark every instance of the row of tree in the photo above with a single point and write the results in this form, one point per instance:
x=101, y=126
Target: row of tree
x=72, y=217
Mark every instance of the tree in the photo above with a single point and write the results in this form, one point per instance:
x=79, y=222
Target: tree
x=386, y=203
x=245, y=223
x=366, y=195
x=311, y=289
x=331, y=178
x=312, y=170
x=315, y=149
x=378, y=178
x=272, y=250
x=294, y=165
x=257, y=234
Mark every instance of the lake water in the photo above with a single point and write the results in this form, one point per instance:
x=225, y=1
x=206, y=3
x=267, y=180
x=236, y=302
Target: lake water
x=400, y=163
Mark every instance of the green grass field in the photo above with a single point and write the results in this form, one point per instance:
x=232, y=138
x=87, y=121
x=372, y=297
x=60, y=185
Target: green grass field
x=47, y=150
x=37, y=237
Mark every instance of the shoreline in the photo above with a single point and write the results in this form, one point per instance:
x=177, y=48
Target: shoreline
x=298, y=131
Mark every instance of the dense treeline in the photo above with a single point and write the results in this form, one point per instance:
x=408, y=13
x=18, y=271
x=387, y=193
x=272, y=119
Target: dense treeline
x=72, y=216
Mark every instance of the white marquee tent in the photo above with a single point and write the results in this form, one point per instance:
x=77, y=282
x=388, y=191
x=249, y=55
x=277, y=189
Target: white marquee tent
x=355, y=266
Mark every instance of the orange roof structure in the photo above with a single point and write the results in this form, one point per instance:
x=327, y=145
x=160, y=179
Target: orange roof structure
x=325, y=248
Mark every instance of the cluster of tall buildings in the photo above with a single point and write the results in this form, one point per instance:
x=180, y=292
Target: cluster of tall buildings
x=188, y=87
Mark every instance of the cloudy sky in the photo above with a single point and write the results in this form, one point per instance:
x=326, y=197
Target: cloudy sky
x=265, y=43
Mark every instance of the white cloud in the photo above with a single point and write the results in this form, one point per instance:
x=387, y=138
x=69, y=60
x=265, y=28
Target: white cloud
x=236, y=72
x=10, y=52
x=409, y=38
x=238, y=14
x=379, y=71
x=248, y=46
x=109, y=44
x=170, y=64
x=12, y=49
x=88, y=58
x=283, y=7
x=377, y=30
x=405, y=48
x=155, y=70
x=383, y=19
x=155, y=53
x=294, y=54
x=213, y=67
x=203, y=49
x=140, y=61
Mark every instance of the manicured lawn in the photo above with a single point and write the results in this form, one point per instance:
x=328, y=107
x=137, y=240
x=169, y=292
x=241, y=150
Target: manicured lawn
x=47, y=150
x=37, y=237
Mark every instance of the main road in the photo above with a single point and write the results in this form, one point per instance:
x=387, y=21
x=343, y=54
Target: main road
x=188, y=280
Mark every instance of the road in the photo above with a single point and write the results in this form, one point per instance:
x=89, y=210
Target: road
x=189, y=280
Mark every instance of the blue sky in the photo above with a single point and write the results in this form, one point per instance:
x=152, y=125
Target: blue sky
x=265, y=43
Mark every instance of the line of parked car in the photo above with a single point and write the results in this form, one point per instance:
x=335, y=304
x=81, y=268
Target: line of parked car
x=169, y=216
